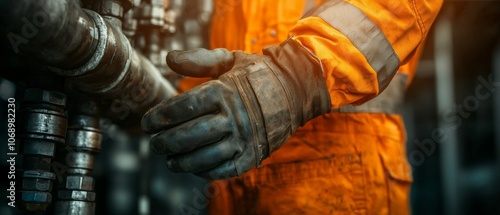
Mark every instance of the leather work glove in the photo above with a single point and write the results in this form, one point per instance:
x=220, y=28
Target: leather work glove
x=229, y=125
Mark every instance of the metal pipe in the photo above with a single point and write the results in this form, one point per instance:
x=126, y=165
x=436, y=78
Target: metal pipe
x=91, y=53
x=75, y=194
x=49, y=31
x=205, y=9
x=443, y=53
x=43, y=125
x=173, y=10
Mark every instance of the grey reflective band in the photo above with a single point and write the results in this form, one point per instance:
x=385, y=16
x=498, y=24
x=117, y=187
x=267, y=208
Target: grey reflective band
x=309, y=4
x=390, y=101
x=364, y=35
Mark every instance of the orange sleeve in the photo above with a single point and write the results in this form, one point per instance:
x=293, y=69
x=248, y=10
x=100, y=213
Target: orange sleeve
x=353, y=76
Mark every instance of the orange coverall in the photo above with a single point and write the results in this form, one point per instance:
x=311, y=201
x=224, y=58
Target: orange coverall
x=353, y=160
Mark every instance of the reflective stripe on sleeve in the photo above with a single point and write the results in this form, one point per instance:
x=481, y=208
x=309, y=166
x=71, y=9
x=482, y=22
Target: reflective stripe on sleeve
x=364, y=35
x=390, y=101
x=309, y=4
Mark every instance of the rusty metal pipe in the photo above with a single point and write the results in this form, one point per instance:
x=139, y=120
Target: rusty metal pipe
x=92, y=53
x=49, y=31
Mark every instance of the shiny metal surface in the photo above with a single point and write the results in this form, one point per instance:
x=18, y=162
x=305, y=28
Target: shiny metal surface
x=74, y=207
x=79, y=182
x=75, y=194
x=85, y=139
x=43, y=125
x=103, y=54
x=93, y=54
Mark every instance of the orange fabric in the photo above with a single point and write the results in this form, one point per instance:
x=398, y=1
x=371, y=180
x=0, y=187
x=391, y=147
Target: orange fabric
x=247, y=25
x=338, y=163
x=188, y=82
x=327, y=170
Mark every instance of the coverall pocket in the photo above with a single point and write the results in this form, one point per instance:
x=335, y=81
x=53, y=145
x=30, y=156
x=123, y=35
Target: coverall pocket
x=398, y=189
x=333, y=185
x=398, y=177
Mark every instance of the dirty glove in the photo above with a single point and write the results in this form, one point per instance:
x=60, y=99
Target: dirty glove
x=227, y=126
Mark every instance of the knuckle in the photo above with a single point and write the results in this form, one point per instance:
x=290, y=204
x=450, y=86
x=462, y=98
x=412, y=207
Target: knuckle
x=212, y=87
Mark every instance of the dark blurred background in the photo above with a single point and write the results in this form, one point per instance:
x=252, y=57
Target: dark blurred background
x=452, y=117
x=452, y=113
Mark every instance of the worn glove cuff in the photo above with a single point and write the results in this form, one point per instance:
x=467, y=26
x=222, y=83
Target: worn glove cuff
x=302, y=77
x=281, y=93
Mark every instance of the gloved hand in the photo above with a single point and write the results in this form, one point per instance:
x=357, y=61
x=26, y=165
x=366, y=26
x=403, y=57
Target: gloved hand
x=227, y=126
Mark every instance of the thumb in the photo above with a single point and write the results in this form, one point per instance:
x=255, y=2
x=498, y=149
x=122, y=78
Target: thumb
x=201, y=62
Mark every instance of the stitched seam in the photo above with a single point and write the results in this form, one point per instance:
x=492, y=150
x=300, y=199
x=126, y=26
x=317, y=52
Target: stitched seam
x=419, y=20
x=254, y=118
